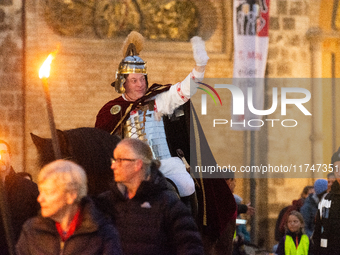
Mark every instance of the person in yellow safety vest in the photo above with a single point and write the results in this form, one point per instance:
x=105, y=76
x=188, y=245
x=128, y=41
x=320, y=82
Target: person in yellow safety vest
x=295, y=242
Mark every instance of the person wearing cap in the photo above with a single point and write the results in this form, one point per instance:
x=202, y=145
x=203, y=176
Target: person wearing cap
x=310, y=206
x=326, y=236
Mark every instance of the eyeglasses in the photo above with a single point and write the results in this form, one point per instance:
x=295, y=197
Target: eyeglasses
x=119, y=160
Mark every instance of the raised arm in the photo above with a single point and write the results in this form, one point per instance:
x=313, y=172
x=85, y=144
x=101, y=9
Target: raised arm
x=181, y=92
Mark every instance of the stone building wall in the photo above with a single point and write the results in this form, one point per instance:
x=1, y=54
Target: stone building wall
x=288, y=57
x=11, y=80
x=84, y=68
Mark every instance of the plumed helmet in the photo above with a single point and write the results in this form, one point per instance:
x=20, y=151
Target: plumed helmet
x=131, y=62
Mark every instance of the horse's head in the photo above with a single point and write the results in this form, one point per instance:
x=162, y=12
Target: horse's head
x=45, y=148
x=91, y=148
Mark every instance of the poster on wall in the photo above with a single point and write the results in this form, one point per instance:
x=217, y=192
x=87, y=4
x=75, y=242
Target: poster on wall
x=251, y=25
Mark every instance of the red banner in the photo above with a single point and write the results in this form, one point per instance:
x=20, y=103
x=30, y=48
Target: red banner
x=251, y=24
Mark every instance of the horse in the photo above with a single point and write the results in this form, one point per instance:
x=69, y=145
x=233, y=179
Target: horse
x=91, y=148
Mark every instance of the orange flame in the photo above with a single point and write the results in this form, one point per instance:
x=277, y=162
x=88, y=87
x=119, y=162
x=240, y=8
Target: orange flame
x=45, y=69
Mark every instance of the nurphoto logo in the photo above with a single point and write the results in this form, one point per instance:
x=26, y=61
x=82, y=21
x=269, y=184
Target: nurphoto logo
x=243, y=102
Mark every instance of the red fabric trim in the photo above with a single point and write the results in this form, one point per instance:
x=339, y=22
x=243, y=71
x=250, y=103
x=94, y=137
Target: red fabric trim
x=155, y=107
x=180, y=93
x=75, y=223
x=192, y=76
x=297, y=241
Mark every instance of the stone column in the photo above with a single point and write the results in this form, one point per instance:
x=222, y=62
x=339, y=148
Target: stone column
x=314, y=35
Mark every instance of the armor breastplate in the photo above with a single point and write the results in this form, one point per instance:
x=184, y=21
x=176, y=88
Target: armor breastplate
x=142, y=125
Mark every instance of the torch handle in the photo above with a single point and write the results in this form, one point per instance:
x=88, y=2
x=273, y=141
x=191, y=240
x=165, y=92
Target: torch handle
x=55, y=141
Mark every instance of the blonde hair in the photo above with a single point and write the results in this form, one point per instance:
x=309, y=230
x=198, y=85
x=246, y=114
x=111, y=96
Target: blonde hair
x=300, y=218
x=67, y=175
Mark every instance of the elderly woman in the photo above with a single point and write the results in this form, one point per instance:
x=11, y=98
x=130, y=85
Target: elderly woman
x=69, y=222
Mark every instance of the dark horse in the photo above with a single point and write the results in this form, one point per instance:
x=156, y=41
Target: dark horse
x=91, y=148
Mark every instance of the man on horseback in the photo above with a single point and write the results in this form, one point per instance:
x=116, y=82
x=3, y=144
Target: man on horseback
x=137, y=113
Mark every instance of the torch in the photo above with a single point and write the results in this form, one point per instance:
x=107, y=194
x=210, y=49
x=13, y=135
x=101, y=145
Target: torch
x=44, y=73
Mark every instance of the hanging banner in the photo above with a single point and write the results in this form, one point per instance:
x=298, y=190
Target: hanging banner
x=251, y=24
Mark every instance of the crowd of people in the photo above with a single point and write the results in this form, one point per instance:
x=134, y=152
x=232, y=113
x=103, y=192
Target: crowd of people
x=310, y=226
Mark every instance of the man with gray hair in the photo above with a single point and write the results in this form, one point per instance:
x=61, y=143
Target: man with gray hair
x=150, y=218
x=69, y=222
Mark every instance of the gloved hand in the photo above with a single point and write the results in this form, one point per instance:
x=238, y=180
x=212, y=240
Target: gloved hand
x=198, y=47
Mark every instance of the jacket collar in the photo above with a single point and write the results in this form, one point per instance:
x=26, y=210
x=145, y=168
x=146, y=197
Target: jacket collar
x=147, y=188
x=90, y=220
x=293, y=235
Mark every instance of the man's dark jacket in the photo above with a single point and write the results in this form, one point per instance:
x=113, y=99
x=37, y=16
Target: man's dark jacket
x=154, y=221
x=328, y=226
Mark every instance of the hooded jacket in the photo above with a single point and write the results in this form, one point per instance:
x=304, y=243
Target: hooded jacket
x=308, y=211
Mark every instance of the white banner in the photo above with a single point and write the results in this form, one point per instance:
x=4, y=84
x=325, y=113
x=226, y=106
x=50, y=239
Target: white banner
x=251, y=24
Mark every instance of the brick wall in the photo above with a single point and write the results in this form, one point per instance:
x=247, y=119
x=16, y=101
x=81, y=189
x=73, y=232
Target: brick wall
x=11, y=77
x=288, y=57
x=83, y=70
